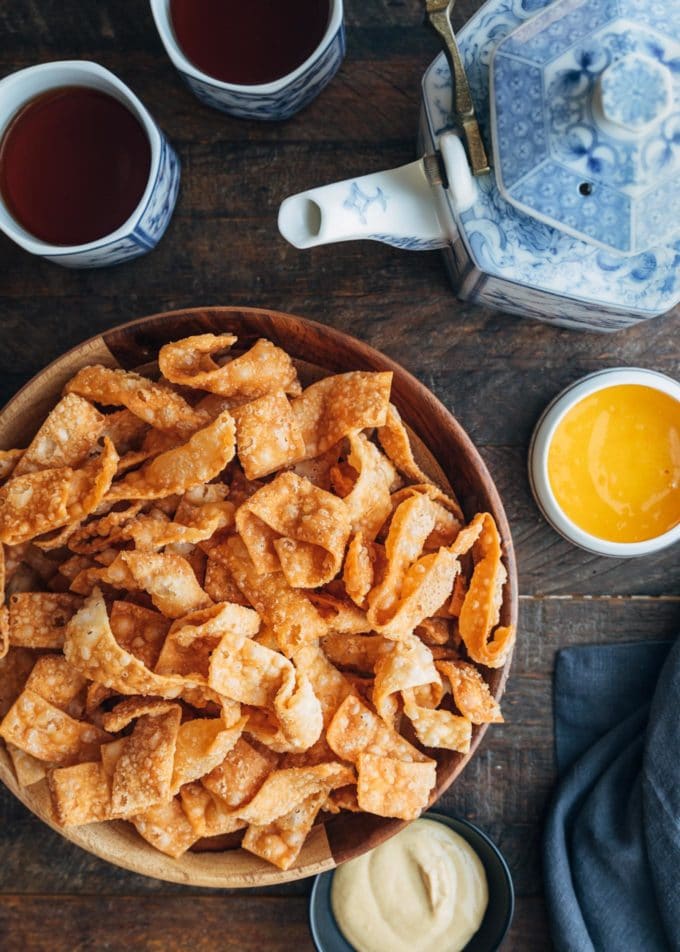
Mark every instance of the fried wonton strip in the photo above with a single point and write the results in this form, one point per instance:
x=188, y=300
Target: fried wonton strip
x=166, y=576
x=80, y=794
x=220, y=585
x=312, y=528
x=355, y=728
x=98, y=534
x=240, y=775
x=389, y=787
x=38, y=619
x=150, y=532
x=263, y=368
x=139, y=631
x=284, y=789
x=27, y=768
x=427, y=584
x=8, y=462
x=280, y=841
x=199, y=460
x=267, y=435
x=331, y=408
x=408, y=664
x=207, y=814
x=153, y=403
x=358, y=572
x=437, y=728
x=33, y=504
x=471, y=692
x=245, y=671
x=395, y=441
x=202, y=745
x=288, y=612
x=411, y=524
x=166, y=827
x=47, y=733
x=449, y=518
x=69, y=433
x=329, y=685
x=368, y=501
x=58, y=682
x=143, y=774
x=480, y=612
x=89, y=645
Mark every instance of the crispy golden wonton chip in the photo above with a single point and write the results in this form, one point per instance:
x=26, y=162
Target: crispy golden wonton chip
x=369, y=501
x=28, y=769
x=358, y=572
x=47, y=733
x=15, y=668
x=481, y=608
x=260, y=370
x=288, y=612
x=355, y=728
x=199, y=460
x=471, y=692
x=408, y=664
x=153, y=403
x=143, y=773
x=360, y=652
x=395, y=441
x=280, y=841
x=267, y=435
x=90, y=646
x=310, y=530
x=80, y=794
x=139, y=630
x=38, y=619
x=389, y=787
x=240, y=775
x=202, y=744
x=67, y=436
x=58, y=682
x=283, y=790
x=411, y=524
x=426, y=585
x=333, y=407
x=166, y=827
x=437, y=728
x=167, y=577
x=207, y=814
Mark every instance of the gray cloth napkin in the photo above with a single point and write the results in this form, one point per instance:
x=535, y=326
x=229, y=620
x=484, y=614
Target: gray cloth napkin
x=611, y=849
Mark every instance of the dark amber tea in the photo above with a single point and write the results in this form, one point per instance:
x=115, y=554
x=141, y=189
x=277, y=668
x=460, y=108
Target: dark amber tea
x=74, y=164
x=249, y=41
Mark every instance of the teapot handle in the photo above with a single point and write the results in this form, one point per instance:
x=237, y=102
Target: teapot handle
x=397, y=207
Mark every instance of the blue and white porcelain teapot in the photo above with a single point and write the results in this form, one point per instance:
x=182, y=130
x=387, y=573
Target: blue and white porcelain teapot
x=578, y=223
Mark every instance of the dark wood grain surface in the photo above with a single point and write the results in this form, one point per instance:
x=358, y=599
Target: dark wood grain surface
x=494, y=371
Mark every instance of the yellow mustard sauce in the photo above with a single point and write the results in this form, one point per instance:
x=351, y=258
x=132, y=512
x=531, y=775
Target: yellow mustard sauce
x=614, y=463
x=424, y=890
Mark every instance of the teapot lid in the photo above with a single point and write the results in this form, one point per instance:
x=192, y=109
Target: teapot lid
x=585, y=117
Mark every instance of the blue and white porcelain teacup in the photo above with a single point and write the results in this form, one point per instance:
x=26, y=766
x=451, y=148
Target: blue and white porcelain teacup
x=578, y=222
x=144, y=228
x=276, y=100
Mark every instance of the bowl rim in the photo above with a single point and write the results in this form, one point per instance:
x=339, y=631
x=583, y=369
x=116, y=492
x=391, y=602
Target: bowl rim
x=366, y=358
x=539, y=449
x=452, y=821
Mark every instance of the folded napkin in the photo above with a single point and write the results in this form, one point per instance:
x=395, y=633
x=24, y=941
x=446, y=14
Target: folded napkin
x=611, y=850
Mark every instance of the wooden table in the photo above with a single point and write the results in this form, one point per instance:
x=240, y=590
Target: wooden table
x=494, y=371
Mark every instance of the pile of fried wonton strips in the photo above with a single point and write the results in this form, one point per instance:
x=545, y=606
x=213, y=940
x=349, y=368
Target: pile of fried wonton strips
x=229, y=601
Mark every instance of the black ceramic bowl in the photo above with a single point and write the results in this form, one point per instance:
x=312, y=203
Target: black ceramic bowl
x=327, y=936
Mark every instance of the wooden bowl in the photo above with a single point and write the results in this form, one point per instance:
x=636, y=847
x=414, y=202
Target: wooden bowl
x=451, y=457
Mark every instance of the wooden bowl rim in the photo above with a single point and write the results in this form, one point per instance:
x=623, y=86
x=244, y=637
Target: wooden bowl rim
x=172, y=870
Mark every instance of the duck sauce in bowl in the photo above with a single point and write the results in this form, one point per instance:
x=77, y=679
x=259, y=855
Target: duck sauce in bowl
x=605, y=462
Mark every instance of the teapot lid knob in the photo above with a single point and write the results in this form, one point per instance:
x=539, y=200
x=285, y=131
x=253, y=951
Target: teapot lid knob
x=633, y=95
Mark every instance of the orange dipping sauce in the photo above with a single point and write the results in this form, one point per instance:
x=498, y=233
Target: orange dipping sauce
x=614, y=463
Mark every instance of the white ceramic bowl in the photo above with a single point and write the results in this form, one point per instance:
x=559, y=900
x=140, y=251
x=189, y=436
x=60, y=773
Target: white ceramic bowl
x=540, y=445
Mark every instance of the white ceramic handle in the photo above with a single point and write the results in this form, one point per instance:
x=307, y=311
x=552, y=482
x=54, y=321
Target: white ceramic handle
x=397, y=207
